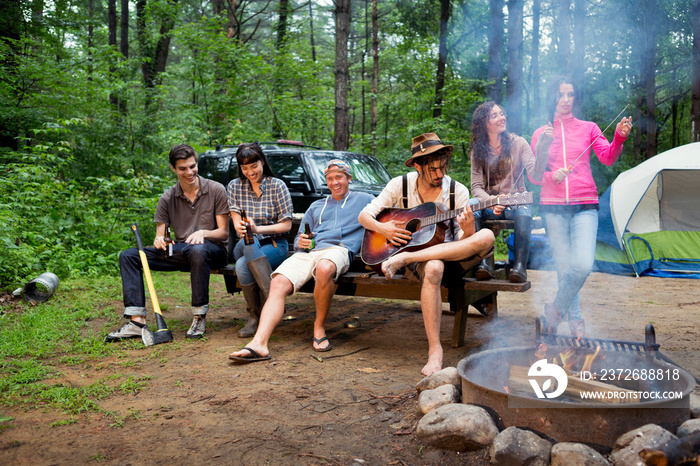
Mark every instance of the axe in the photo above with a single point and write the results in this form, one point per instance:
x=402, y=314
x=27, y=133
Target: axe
x=162, y=334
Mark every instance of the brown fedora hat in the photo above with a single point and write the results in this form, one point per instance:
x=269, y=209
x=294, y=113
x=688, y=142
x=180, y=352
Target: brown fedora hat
x=425, y=144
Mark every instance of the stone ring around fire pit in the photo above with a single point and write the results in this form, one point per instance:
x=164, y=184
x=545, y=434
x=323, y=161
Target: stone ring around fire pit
x=499, y=380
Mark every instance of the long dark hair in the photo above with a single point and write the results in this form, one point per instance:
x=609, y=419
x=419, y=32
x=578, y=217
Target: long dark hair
x=480, y=136
x=553, y=96
x=251, y=153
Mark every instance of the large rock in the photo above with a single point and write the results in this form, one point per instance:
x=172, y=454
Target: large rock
x=688, y=427
x=516, y=447
x=694, y=406
x=447, y=376
x=567, y=453
x=429, y=400
x=626, y=449
x=457, y=427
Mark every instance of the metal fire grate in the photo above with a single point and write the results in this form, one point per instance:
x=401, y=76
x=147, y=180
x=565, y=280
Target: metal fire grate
x=649, y=344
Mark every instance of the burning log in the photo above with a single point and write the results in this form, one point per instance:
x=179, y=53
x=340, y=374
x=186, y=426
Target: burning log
x=675, y=452
x=518, y=384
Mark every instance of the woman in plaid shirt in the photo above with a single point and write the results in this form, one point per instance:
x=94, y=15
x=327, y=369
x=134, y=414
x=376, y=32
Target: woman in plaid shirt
x=268, y=208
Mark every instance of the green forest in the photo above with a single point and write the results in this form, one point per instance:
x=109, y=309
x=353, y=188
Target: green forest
x=95, y=92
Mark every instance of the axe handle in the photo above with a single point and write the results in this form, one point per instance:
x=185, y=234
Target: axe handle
x=146, y=269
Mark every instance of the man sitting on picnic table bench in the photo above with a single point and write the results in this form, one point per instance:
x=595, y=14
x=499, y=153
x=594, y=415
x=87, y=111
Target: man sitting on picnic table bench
x=197, y=210
x=463, y=246
x=325, y=254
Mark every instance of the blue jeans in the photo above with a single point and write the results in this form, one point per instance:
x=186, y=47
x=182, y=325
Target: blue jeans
x=509, y=214
x=242, y=254
x=198, y=259
x=572, y=238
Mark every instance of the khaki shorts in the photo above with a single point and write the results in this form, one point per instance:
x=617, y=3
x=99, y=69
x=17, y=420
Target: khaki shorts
x=416, y=270
x=301, y=266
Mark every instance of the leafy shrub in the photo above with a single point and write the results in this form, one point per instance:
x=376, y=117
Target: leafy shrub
x=62, y=225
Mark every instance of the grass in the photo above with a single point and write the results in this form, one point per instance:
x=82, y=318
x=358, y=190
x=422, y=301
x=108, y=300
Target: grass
x=38, y=341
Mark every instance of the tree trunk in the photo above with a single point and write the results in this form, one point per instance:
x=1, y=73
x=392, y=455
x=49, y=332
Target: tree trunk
x=124, y=29
x=11, y=25
x=442, y=58
x=695, y=93
x=649, y=19
x=37, y=19
x=124, y=46
x=364, y=88
x=232, y=29
x=112, y=42
x=311, y=26
x=495, y=72
x=564, y=37
x=144, y=48
x=577, y=65
x=163, y=45
x=535, y=59
x=341, y=138
x=514, y=82
x=277, y=85
x=282, y=23
x=375, y=74
x=154, y=60
x=674, y=121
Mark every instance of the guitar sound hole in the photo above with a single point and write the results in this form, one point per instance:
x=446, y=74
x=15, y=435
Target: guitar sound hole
x=413, y=225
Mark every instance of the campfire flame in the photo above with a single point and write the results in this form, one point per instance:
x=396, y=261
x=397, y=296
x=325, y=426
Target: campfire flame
x=569, y=359
x=588, y=363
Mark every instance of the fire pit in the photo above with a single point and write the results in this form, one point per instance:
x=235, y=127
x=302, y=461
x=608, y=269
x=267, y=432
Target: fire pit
x=499, y=380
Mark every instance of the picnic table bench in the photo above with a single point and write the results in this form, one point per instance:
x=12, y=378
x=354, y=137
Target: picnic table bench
x=459, y=292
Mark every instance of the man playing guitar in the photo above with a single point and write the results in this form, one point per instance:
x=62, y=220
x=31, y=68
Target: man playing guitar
x=463, y=245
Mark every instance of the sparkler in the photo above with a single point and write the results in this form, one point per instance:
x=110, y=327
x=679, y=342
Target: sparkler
x=593, y=142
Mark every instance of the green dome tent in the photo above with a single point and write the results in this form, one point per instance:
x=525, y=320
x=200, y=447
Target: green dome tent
x=649, y=218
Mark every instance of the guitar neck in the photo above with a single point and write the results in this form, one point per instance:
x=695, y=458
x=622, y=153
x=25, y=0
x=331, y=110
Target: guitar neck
x=450, y=214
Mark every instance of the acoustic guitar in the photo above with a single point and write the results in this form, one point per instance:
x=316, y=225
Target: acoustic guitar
x=426, y=224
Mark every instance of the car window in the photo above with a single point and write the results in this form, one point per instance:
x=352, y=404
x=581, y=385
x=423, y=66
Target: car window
x=287, y=166
x=215, y=168
x=367, y=171
x=289, y=169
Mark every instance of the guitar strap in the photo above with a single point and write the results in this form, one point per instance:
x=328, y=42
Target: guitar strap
x=404, y=199
x=452, y=206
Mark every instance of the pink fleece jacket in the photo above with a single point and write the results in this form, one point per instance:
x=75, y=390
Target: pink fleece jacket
x=571, y=137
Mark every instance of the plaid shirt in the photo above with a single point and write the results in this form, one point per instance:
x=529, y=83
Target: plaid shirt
x=273, y=206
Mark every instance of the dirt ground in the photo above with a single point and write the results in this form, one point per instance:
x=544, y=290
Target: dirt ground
x=356, y=407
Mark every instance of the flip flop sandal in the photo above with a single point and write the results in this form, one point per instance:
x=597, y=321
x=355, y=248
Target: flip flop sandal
x=321, y=340
x=253, y=357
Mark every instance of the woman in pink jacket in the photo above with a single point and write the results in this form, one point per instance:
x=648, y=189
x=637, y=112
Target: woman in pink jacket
x=569, y=196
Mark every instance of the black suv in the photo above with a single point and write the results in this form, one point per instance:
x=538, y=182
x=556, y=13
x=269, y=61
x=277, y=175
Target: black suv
x=300, y=167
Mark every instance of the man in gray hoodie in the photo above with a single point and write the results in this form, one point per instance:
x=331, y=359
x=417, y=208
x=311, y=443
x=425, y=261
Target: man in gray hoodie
x=325, y=254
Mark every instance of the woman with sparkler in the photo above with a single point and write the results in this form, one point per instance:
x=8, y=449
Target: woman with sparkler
x=569, y=196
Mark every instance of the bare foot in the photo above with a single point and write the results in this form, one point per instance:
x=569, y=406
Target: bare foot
x=261, y=350
x=434, y=365
x=393, y=264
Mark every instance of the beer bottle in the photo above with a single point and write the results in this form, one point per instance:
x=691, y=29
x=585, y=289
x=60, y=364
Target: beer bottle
x=248, y=236
x=307, y=232
x=168, y=252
